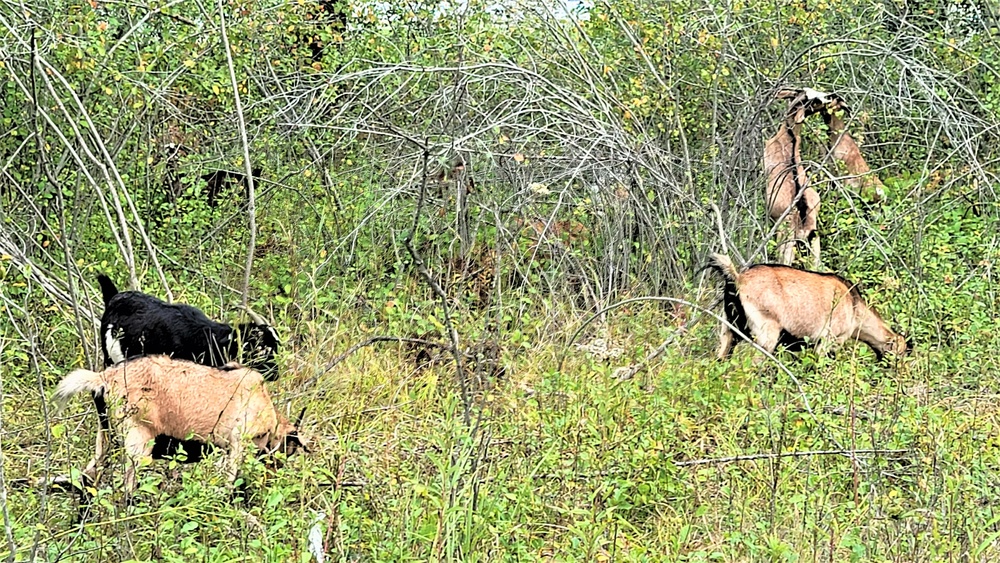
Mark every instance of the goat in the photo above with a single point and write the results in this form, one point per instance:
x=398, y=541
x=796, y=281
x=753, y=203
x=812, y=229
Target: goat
x=137, y=324
x=158, y=395
x=844, y=148
x=218, y=181
x=788, y=185
x=777, y=304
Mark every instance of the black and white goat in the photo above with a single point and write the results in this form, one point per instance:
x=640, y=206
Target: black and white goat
x=137, y=324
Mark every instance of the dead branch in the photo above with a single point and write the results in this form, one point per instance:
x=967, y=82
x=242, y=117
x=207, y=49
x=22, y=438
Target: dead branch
x=754, y=457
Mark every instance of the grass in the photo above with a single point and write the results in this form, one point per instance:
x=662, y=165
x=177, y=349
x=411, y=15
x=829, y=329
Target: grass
x=560, y=460
x=566, y=465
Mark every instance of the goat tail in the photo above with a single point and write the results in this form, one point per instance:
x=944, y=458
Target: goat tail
x=722, y=264
x=108, y=289
x=77, y=382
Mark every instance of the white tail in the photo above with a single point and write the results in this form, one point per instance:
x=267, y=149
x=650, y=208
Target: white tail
x=77, y=382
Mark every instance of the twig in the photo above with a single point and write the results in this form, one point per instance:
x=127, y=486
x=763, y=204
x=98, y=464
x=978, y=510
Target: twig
x=7, y=527
x=248, y=169
x=753, y=457
x=450, y=329
x=628, y=372
x=343, y=484
x=425, y=273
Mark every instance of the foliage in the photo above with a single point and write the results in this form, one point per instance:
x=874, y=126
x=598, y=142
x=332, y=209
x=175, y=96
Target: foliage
x=496, y=176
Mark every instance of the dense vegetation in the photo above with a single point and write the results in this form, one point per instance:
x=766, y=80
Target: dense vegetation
x=522, y=193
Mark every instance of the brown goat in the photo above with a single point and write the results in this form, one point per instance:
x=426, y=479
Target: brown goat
x=778, y=304
x=159, y=395
x=788, y=186
x=844, y=148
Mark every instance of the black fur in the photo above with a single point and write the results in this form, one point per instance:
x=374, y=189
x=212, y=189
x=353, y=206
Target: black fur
x=101, y=404
x=800, y=204
x=219, y=180
x=145, y=325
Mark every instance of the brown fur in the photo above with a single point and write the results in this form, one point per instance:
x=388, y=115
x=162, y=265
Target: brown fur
x=774, y=303
x=159, y=395
x=786, y=177
x=845, y=149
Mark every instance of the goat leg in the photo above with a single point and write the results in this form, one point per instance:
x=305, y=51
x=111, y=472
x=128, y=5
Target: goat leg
x=139, y=447
x=235, y=455
x=814, y=249
x=726, y=342
x=786, y=246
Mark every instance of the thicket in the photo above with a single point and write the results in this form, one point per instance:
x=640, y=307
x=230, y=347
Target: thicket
x=500, y=180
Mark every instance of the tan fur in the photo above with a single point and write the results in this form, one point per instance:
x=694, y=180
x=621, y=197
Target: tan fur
x=845, y=149
x=159, y=395
x=821, y=307
x=783, y=166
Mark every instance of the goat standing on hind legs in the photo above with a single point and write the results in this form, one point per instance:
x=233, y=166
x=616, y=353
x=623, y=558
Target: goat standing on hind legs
x=788, y=194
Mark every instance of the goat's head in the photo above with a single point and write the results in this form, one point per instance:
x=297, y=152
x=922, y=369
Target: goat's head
x=285, y=440
x=258, y=343
x=898, y=346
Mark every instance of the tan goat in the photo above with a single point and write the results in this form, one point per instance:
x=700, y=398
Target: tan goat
x=778, y=304
x=844, y=148
x=788, y=189
x=159, y=395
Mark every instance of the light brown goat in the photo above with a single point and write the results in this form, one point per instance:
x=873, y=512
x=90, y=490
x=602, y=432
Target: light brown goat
x=777, y=304
x=788, y=193
x=158, y=395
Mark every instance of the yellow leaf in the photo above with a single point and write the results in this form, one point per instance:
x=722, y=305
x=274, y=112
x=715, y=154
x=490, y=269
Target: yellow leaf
x=518, y=157
x=216, y=89
x=189, y=63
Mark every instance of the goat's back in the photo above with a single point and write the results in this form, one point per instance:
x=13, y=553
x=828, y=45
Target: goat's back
x=803, y=302
x=153, y=326
x=183, y=399
x=132, y=303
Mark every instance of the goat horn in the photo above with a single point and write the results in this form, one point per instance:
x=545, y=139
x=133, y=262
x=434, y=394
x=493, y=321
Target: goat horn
x=298, y=421
x=254, y=316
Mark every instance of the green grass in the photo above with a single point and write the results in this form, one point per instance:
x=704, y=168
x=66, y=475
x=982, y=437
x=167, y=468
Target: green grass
x=566, y=465
x=560, y=460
